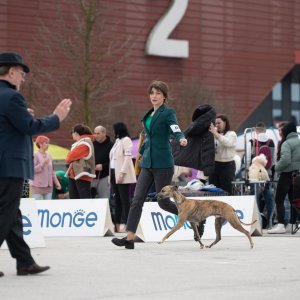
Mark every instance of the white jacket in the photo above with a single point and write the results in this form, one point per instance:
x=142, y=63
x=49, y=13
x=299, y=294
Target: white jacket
x=225, y=147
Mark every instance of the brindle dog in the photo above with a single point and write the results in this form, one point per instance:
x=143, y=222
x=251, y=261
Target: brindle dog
x=196, y=211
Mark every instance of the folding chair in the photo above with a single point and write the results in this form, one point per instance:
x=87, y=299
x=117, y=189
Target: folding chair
x=295, y=202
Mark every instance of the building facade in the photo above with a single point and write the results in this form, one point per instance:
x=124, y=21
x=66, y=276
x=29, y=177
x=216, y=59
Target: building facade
x=242, y=54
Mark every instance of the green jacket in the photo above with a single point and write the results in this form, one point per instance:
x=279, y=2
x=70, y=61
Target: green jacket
x=289, y=155
x=156, y=149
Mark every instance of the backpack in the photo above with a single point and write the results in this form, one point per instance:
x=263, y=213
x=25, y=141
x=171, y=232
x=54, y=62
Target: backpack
x=266, y=151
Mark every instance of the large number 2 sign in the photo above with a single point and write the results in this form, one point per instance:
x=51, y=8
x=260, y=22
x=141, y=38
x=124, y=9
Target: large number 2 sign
x=158, y=42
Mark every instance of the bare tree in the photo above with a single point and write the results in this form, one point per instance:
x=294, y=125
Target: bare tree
x=82, y=51
x=191, y=93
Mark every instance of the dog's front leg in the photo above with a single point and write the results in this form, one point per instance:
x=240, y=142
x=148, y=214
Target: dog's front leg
x=175, y=228
x=196, y=233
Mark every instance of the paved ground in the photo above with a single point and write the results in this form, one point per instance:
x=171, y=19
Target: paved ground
x=93, y=268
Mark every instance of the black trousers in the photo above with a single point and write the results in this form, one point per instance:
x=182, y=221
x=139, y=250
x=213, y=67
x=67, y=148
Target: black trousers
x=79, y=189
x=223, y=175
x=11, y=226
x=122, y=199
x=284, y=187
x=161, y=178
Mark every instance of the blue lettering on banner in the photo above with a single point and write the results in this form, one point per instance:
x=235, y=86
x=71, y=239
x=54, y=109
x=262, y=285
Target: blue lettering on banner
x=26, y=224
x=67, y=219
x=161, y=223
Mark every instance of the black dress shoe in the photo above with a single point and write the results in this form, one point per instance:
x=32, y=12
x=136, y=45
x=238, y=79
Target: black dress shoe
x=123, y=243
x=32, y=269
x=1, y=274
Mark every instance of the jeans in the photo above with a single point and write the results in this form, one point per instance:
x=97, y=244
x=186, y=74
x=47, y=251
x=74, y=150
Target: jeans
x=102, y=186
x=267, y=194
x=42, y=196
x=161, y=178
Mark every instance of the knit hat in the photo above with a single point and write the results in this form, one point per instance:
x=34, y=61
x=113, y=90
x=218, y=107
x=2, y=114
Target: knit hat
x=41, y=139
x=288, y=128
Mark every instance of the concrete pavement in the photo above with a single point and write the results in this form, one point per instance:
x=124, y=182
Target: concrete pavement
x=93, y=268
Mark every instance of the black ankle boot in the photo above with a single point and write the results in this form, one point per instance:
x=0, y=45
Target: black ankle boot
x=123, y=242
x=1, y=274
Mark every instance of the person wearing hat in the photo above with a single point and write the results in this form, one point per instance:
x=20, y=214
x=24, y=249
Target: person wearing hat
x=17, y=125
x=44, y=175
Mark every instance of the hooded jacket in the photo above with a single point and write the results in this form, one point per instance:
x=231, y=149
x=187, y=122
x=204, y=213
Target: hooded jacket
x=290, y=154
x=200, y=150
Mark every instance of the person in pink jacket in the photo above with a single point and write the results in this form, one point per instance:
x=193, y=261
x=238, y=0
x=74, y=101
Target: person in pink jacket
x=121, y=172
x=44, y=175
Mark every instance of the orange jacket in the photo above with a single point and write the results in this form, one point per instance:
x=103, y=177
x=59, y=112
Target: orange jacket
x=77, y=153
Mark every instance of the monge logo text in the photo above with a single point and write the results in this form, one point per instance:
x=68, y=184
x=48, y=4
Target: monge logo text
x=78, y=218
x=168, y=222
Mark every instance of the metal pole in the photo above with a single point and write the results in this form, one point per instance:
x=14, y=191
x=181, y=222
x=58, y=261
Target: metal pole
x=247, y=163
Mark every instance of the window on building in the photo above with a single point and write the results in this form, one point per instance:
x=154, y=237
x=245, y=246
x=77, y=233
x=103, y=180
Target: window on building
x=276, y=112
x=295, y=92
x=296, y=115
x=277, y=92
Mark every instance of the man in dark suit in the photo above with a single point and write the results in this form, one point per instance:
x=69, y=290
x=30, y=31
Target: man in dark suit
x=17, y=125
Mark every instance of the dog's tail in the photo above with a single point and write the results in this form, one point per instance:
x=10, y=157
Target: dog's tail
x=249, y=223
x=243, y=222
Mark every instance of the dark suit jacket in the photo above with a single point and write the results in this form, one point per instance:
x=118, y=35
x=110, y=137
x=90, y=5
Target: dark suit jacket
x=156, y=149
x=16, y=128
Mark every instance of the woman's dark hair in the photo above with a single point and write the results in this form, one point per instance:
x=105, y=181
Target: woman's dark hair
x=82, y=129
x=225, y=119
x=288, y=128
x=280, y=126
x=120, y=130
x=161, y=86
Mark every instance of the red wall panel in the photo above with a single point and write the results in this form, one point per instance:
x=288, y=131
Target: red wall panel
x=239, y=48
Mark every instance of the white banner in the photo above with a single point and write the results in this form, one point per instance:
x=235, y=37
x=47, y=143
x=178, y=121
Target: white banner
x=75, y=217
x=31, y=226
x=155, y=223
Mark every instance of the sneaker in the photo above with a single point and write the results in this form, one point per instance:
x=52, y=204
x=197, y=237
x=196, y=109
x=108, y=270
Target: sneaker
x=278, y=228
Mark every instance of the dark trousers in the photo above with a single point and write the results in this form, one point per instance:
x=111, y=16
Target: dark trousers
x=11, y=226
x=284, y=187
x=223, y=175
x=122, y=198
x=161, y=178
x=79, y=189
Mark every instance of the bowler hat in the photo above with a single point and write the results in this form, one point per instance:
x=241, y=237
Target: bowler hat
x=12, y=59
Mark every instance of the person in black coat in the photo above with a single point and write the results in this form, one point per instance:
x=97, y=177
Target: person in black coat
x=200, y=150
x=102, y=146
x=17, y=125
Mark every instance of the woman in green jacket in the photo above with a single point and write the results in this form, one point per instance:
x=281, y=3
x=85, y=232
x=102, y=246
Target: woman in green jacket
x=288, y=163
x=160, y=123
